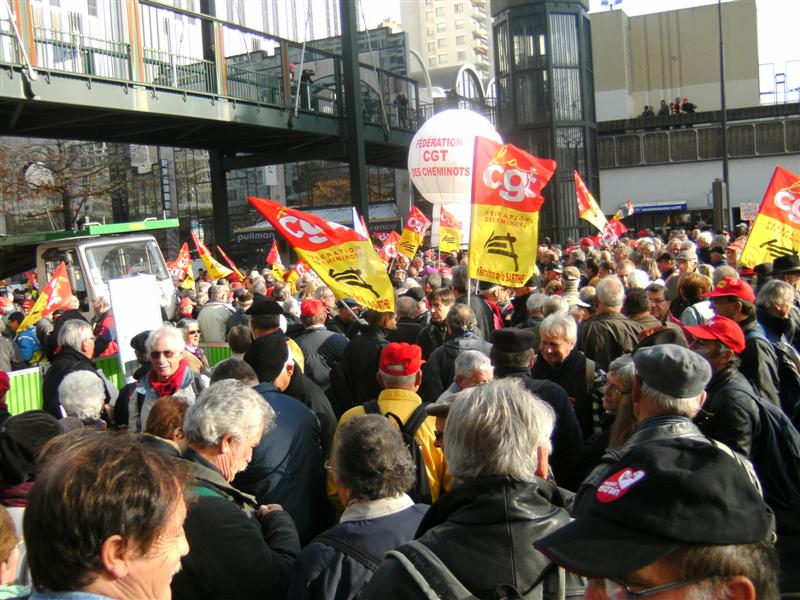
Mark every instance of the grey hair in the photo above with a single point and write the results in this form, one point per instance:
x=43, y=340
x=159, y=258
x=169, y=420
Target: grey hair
x=184, y=324
x=461, y=318
x=555, y=304
x=397, y=381
x=103, y=301
x=724, y=271
x=495, y=429
x=623, y=367
x=291, y=306
x=73, y=333
x=638, y=279
x=610, y=292
x=164, y=331
x=227, y=407
x=472, y=361
x=321, y=291
x=671, y=405
x=260, y=286
x=406, y=307
x=460, y=278
x=535, y=302
x=773, y=292
x=560, y=325
x=82, y=394
x=214, y=292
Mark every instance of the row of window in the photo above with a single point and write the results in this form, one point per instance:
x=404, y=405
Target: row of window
x=442, y=43
x=441, y=11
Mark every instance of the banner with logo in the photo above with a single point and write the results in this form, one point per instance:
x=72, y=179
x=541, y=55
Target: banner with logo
x=449, y=232
x=347, y=263
x=413, y=233
x=295, y=274
x=214, y=269
x=231, y=264
x=588, y=210
x=178, y=268
x=274, y=260
x=54, y=296
x=776, y=231
x=506, y=198
x=389, y=250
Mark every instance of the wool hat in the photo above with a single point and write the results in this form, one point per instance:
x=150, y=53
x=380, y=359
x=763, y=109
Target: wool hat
x=666, y=256
x=21, y=438
x=672, y=370
x=718, y=250
x=268, y=355
x=399, y=358
x=511, y=339
x=728, y=286
x=660, y=496
x=312, y=308
x=345, y=302
x=554, y=266
x=720, y=328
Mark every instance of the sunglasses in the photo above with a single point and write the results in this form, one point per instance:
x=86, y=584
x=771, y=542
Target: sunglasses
x=192, y=331
x=167, y=354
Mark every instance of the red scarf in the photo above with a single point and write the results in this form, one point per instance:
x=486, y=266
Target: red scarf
x=15, y=495
x=171, y=385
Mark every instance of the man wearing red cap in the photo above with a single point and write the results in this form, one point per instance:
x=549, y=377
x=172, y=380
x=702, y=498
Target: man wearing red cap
x=399, y=375
x=734, y=299
x=321, y=348
x=729, y=413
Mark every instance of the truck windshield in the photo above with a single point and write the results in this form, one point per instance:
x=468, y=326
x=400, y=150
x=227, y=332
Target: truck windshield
x=112, y=261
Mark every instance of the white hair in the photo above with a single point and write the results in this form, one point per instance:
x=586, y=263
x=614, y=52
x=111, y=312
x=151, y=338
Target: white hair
x=723, y=271
x=292, y=307
x=638, y=279
x=165, y=331
x=609, y=292
x=560, y=325
x=774, y=292
x=82, y=395
x=472, y=361
x=495, y=429
x=667, y=404
x=227, y=407
x=73, y=333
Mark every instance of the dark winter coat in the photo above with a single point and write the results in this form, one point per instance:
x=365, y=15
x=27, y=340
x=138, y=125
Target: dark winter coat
x=361, y=358
x=431, y=337
x=606, y=336
x=439, y=371
x=760, y=363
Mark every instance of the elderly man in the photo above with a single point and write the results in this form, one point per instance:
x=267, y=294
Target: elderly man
x=214, y=315
x=673, y=520
x=561, y=362
x=242, y=302
x=408, y=327
x=734, y=299
x=77, y=348
x=399, y=375
x=346, y=319
x=484, y=317
x=169, y=375
x=476, y=541
x=608, y=334
x=105, y=331
x=729, y=414
x=82, y=395
x=321, y=347
x=124, y=537
x=240, y=549
x=472, y=368
x=462, y=334
x=776, y=312
x=686, y=262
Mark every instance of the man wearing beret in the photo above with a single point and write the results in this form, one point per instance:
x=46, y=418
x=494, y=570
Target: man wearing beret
x=673, y=519
x=512, y=355
x=729, y=414
x=267, y=318
x=735, y=300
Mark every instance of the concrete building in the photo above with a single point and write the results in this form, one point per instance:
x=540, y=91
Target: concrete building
x=449, y=32
x=638, y=61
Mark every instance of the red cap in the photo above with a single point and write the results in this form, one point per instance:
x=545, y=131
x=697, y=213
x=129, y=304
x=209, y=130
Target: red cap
x=27, y=304
x=719, y=328
x=729, y=286
x=186, y=307
x=236, y=285
x=401, y=359
x=312, y=308
x=586, y=242
x=5, y=384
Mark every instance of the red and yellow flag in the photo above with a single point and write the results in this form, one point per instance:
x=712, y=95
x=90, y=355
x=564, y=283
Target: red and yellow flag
x=389, y=249
x=347, y=263
x=273, y=259
x=296, y=273
x=449, y=232
x=588, y=209
x=54, y=296
x=215, y=270
x=776, y=230
x=188, y=282
x=413, y=233
x=231, y=264
x=506, y=198
x=179, y=267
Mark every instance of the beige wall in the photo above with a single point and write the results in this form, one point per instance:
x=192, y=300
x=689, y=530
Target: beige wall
x=675, y=54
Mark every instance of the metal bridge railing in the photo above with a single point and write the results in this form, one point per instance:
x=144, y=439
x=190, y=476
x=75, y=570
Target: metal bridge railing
x=80, y=54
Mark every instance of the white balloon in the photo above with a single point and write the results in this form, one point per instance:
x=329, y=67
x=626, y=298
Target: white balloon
x=441, y=153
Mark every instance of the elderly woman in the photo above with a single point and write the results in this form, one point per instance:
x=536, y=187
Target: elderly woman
x=691, y=288
x=105, y=519
x=561, y=362
x=774, y=312
x=497, y=443
x=372, y=470
x=169, y=375
x=191, y=335
x=240, y=550
x=82, y=395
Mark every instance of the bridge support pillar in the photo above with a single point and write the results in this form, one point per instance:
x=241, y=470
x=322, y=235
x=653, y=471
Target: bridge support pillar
x=219, y=199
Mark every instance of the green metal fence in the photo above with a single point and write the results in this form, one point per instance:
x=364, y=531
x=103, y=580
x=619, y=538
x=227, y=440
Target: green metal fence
x=26, y=390
x=216, y=352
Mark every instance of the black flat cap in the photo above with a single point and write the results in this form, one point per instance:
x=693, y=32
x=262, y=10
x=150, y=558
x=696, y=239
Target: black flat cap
x=267, y=355
x=511, y=339
x=265, y=307
x=417, y=293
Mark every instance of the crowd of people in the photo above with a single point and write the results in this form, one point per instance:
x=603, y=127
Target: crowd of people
x=606, y=429
x=676, y=107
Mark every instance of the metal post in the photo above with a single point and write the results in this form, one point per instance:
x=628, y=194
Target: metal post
x=356, y=157
x=219, y=199
x=728, y=211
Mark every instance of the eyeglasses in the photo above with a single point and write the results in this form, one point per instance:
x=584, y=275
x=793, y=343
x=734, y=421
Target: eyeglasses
x=659, y=301
x=154, y=354
x=192, y=331
x=617, y=591
x=616, y=388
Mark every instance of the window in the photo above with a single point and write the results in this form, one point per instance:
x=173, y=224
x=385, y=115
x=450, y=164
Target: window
x=442, y=59
x=459, y=40
x=441, y=43
x=458, y=8
x=460, y=24
x=461, y=56
x=429, y=15
x=431, y=32
x=91, y=8
x=431, y=46
x=432, y=61
x=440, y=11
x=441, y=27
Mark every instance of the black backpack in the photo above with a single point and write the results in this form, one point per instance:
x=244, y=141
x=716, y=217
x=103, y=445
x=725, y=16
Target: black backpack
x=421, y=491
x=788, y=375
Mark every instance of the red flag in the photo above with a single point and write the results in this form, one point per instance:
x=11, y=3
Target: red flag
x=587, y=205
x=231, y=264
x=178, y=268
x=413, y=233
x=389, y=249
x=54, y=296
x=274, y=257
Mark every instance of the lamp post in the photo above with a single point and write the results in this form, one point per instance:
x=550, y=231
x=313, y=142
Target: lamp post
x=724, y=120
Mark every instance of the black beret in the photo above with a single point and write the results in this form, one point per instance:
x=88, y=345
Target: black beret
x=139, y=340
x=265, y=307
x=267, y=355
x=666, y=256
x=417, y=293
x=511, y=339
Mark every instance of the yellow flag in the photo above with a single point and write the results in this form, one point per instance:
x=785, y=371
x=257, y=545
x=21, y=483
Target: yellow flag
x=215, y=270
x=449, y=232
x=188, y=281
x=413, y=233
x=54, y=296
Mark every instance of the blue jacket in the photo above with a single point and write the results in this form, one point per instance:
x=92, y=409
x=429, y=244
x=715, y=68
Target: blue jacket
x=322, y=572
x=29, y=345
x=287, y=466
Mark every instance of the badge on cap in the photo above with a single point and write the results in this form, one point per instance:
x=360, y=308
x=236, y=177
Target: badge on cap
x=618, y=485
